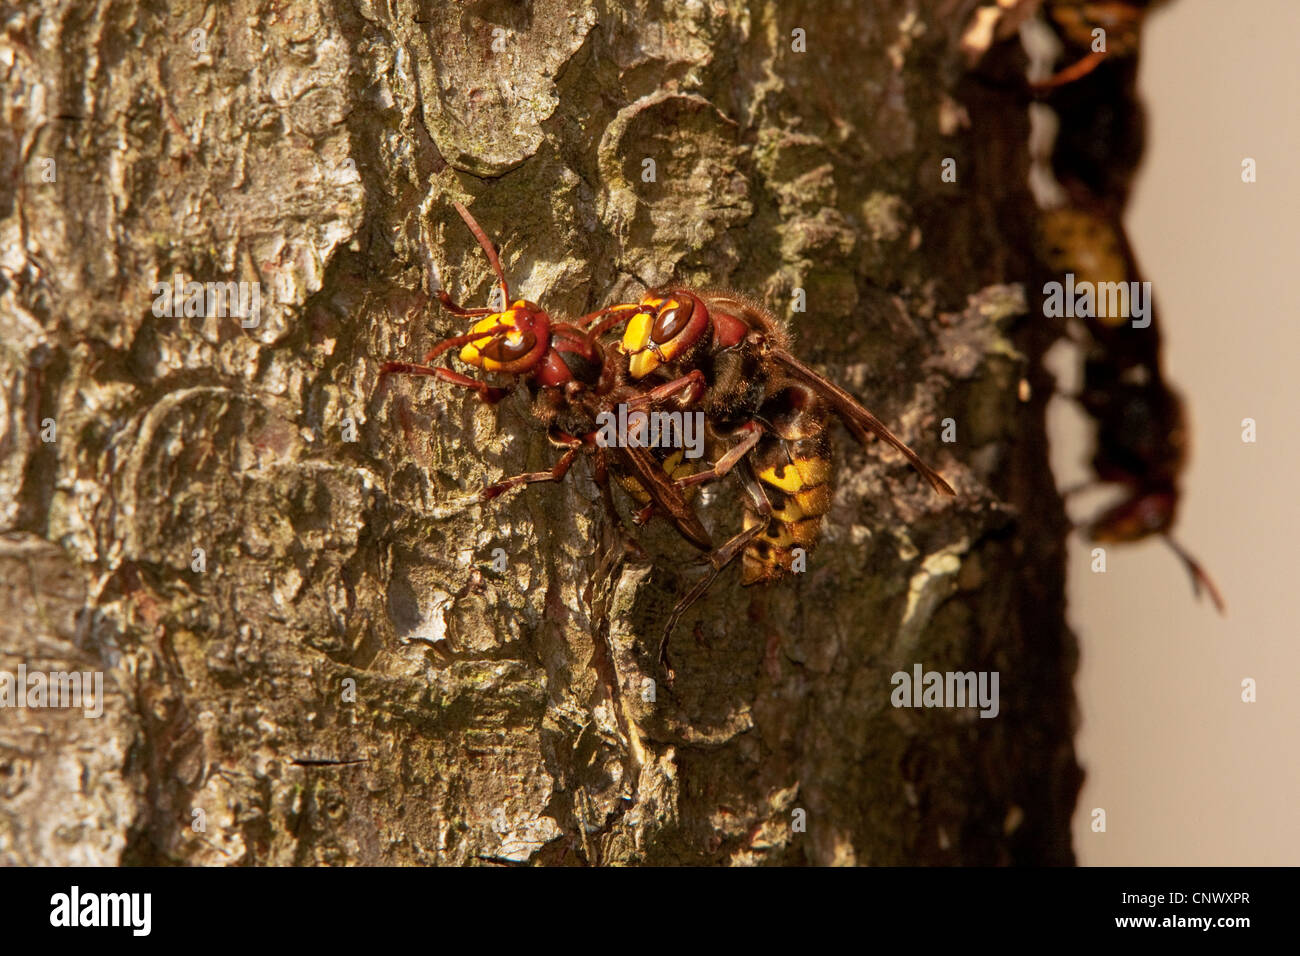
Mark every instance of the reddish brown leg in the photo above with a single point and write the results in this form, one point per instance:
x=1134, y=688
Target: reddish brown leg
x=455, y=340
x=561, y=438
x=454, y=309
x=488, y=393
x=562, y=330
x=489, y=250
x=555, y=474
x=605, y=326
x=694, y=381
x=1075, y=71
x=566, y=331
x=728, y=461
x=613, y=315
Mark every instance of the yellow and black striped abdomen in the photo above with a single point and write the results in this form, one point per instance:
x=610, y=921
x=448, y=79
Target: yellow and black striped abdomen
x=796, y=475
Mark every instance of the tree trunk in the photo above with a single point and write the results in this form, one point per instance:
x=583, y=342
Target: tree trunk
x=311, y=651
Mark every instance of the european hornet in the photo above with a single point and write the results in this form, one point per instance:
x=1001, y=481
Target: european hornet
x=570, y=381
x=767, y=414
x=1142, y=440
x=1075, y=21
x=716, y=353
x=1142, y=434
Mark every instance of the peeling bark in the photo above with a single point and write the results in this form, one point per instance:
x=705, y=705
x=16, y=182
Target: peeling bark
x=316, y=148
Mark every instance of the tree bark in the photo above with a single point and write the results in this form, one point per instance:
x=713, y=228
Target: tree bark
x=345, y=676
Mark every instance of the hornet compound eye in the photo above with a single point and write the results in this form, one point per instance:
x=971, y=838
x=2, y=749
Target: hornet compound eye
x=506, y=348
x=672, y=321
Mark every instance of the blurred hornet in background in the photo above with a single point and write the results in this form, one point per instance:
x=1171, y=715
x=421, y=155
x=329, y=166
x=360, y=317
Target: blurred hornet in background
x=1142, y=432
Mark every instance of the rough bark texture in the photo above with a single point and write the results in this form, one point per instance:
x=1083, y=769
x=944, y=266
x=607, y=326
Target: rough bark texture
x=316, y=147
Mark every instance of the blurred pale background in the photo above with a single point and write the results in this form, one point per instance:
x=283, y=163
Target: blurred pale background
x=1186, y=772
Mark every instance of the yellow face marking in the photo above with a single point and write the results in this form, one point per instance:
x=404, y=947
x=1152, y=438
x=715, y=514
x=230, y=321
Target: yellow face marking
x=637, y=334
x=635, y=339
x=470, y=353
x=802, y=473
x=643, y=363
